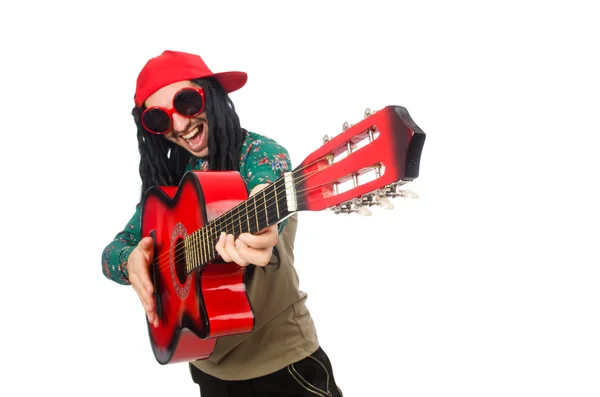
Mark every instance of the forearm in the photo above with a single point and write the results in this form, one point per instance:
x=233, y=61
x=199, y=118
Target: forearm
x=116, y=253
x=114, y=260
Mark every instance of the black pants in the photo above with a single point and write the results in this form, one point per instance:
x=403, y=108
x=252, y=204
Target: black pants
x=312, y=376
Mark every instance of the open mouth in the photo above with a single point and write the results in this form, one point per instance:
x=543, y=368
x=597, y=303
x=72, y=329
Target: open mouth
x=196, y=138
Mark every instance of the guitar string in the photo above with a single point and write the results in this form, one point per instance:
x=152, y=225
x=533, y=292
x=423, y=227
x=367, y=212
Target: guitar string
x=229, y=218
x=212, y=238
x=229, y=214
x=212, y=248
x=236, y=219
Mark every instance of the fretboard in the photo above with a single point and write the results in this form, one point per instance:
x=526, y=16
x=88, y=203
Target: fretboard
x=265, y=208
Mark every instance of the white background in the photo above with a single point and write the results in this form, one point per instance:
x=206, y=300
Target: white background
x=487, y=285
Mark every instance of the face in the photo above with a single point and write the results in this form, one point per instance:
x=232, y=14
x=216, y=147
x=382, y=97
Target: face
x=189, y=133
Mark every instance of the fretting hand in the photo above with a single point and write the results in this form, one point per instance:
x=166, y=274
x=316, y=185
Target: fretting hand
x=249, y=248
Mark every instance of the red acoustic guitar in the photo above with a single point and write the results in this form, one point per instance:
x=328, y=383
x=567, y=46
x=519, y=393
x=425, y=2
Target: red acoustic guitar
x=200, y=298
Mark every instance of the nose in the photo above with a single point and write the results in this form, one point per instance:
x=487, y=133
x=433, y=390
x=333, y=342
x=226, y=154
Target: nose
x=180, y=123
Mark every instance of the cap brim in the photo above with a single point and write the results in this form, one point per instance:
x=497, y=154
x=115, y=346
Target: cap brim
x=231, y=81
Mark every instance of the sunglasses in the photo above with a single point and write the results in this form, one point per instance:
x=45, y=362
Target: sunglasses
x=188, y=102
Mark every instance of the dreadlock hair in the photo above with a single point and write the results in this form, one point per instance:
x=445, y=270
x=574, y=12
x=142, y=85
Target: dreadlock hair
x=162, y=162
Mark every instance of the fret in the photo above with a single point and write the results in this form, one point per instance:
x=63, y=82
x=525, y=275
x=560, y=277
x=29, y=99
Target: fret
x=266, y=205
x=266, y=208
x=276, y=199
x=247, y=218
x=222, y=223
x=215, y=239
x=239, y=217
x=198, y=249
x=192, y=249
x=187, y=255
x=256, y=214
x=218, y=228
x=265, y=217
x=206, y=244
x=236, y=215
x=201, y=247
x=211, y=240
x=194, y=252
x=230, y=227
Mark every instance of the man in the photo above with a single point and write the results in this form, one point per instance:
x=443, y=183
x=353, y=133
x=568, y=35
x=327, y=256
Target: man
x=186, y=121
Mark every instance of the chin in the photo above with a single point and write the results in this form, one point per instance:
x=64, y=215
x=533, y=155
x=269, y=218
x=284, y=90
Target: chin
x=201, y=153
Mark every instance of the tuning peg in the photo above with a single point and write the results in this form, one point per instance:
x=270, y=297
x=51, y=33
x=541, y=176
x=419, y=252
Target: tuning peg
x=352, y=206
x=345, y=126
x=359, y=208
x=385, y=203
x=370, y=112
x=343, y=208
x=364, y=211
x=368, y=199
x=378, y=198
x=326, y=139
x=409, y=194
x=392, y=190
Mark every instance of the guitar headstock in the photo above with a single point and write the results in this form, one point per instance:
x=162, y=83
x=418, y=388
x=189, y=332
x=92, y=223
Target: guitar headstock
x=365, y=165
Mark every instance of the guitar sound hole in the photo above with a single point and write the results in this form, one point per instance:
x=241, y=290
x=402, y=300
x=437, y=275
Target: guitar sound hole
x=180, y=262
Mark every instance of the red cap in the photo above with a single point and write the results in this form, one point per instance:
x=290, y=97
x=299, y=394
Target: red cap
x=173, y=66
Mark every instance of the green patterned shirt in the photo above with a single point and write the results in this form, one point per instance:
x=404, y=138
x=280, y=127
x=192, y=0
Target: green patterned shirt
x=262, y=160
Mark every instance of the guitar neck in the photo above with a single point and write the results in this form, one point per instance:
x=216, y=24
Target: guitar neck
x=265, y=208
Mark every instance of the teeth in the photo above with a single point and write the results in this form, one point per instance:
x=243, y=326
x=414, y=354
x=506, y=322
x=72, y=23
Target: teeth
x=192, y=133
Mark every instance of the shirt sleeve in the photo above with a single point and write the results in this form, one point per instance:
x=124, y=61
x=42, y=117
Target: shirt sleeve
x=116, y=253
x=265, y=161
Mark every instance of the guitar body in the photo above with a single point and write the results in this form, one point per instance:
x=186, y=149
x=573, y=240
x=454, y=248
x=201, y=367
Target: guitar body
x=196, y=309
x=200, y=298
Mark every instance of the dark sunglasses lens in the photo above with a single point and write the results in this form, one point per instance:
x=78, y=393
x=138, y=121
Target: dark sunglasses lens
x=188, y=102
x=157, y=120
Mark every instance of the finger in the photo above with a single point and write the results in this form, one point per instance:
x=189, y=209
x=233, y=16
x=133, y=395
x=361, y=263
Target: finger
x=146, y=283
x=142, y=291
x=150, y=307
x=258, y=188
x=146, y=247
x=220, y=247
x=142, y=279
x=232, y=251
x=258, y=257
x=143, y=253
x=146, y=298
x=151, y=317
x=266, y=239
x=147, y=303
x=137, y=291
